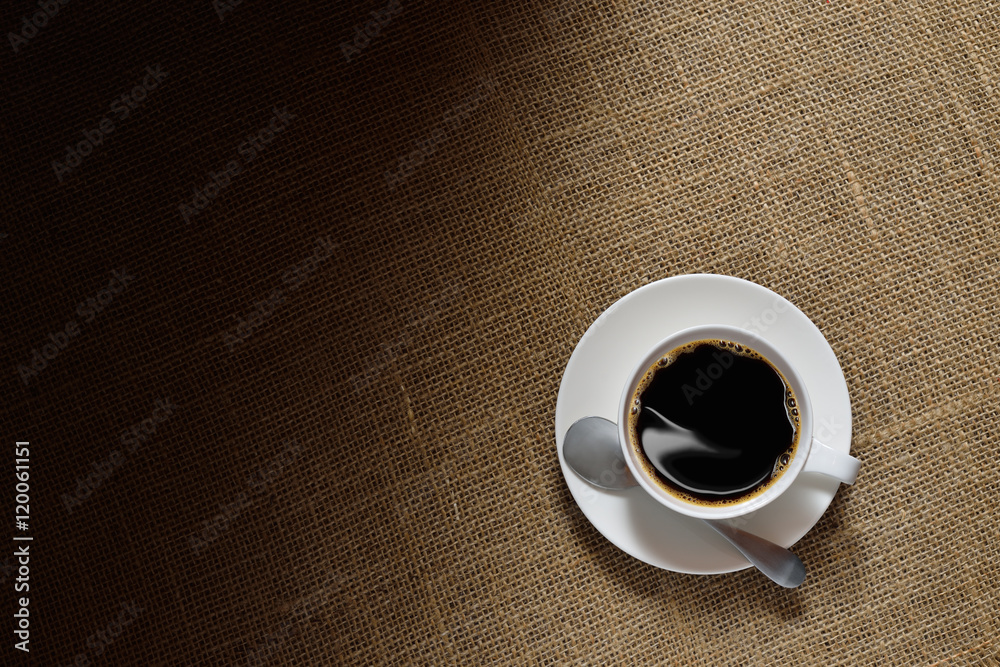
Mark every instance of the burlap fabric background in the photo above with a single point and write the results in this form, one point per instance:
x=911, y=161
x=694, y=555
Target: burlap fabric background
x=363, y=330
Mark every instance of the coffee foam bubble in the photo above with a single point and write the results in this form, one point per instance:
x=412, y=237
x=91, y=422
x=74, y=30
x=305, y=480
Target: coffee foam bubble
x=781, y=463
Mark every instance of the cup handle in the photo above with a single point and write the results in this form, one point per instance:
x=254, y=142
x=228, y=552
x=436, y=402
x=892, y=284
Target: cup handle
x=828, y=461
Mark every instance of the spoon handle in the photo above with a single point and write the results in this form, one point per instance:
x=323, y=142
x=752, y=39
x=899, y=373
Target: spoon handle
x=779, y=564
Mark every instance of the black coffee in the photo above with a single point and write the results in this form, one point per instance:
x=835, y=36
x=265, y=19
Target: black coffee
x=714, y=422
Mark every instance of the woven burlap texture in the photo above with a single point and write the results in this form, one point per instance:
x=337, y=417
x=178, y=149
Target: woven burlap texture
x=363, y=325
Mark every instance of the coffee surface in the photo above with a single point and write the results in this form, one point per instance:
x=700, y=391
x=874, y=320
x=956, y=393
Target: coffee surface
x=714, y=422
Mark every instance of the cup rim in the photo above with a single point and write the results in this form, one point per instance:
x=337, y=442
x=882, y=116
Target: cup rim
x=756, y=342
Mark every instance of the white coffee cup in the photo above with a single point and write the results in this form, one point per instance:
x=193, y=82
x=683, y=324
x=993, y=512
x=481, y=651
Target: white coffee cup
x=810, y=456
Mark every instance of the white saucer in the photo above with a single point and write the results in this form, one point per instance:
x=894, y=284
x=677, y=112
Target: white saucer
x=596, y=374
